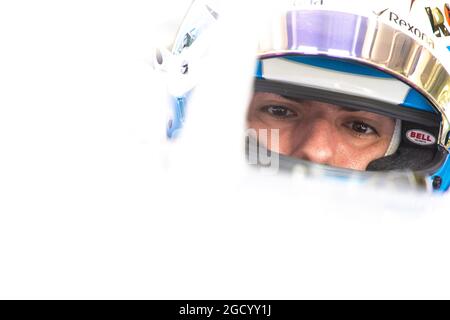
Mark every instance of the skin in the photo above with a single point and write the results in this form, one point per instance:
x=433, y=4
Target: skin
x=320, y=132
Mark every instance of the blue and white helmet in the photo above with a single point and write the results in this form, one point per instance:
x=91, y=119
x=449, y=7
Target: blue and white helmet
x=381, y=60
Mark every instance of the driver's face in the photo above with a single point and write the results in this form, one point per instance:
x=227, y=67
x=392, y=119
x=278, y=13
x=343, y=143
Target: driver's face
x=321, y=132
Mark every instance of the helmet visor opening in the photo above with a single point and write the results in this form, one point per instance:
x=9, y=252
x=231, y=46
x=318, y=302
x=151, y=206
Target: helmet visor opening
x=342, y=130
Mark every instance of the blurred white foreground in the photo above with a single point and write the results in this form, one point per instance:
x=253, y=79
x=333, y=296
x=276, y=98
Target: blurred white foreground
x=95, y=204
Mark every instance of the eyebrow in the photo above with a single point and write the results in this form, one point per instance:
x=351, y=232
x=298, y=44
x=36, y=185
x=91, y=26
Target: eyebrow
x=353, y=110
x=347, y=109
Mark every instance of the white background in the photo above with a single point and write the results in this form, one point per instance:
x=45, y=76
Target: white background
x=88, y=208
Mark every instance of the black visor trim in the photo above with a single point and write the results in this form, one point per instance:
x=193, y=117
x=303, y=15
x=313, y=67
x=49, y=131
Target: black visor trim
x=295, y=91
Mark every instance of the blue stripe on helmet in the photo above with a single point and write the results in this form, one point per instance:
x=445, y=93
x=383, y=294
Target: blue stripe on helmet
x=259, y=69
x=444, y=173
x=417, y=101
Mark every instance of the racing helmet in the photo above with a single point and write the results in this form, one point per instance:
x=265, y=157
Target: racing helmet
x=308, y=50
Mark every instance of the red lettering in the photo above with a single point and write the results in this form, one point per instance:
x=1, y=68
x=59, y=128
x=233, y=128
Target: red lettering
x=420, y=137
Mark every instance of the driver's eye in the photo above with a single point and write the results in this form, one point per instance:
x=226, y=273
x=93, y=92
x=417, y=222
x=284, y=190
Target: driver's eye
x=278, y=111
x=361, y=127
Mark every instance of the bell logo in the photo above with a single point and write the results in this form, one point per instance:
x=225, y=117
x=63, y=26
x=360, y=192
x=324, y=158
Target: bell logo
x=420, y=137
x=438, y=20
